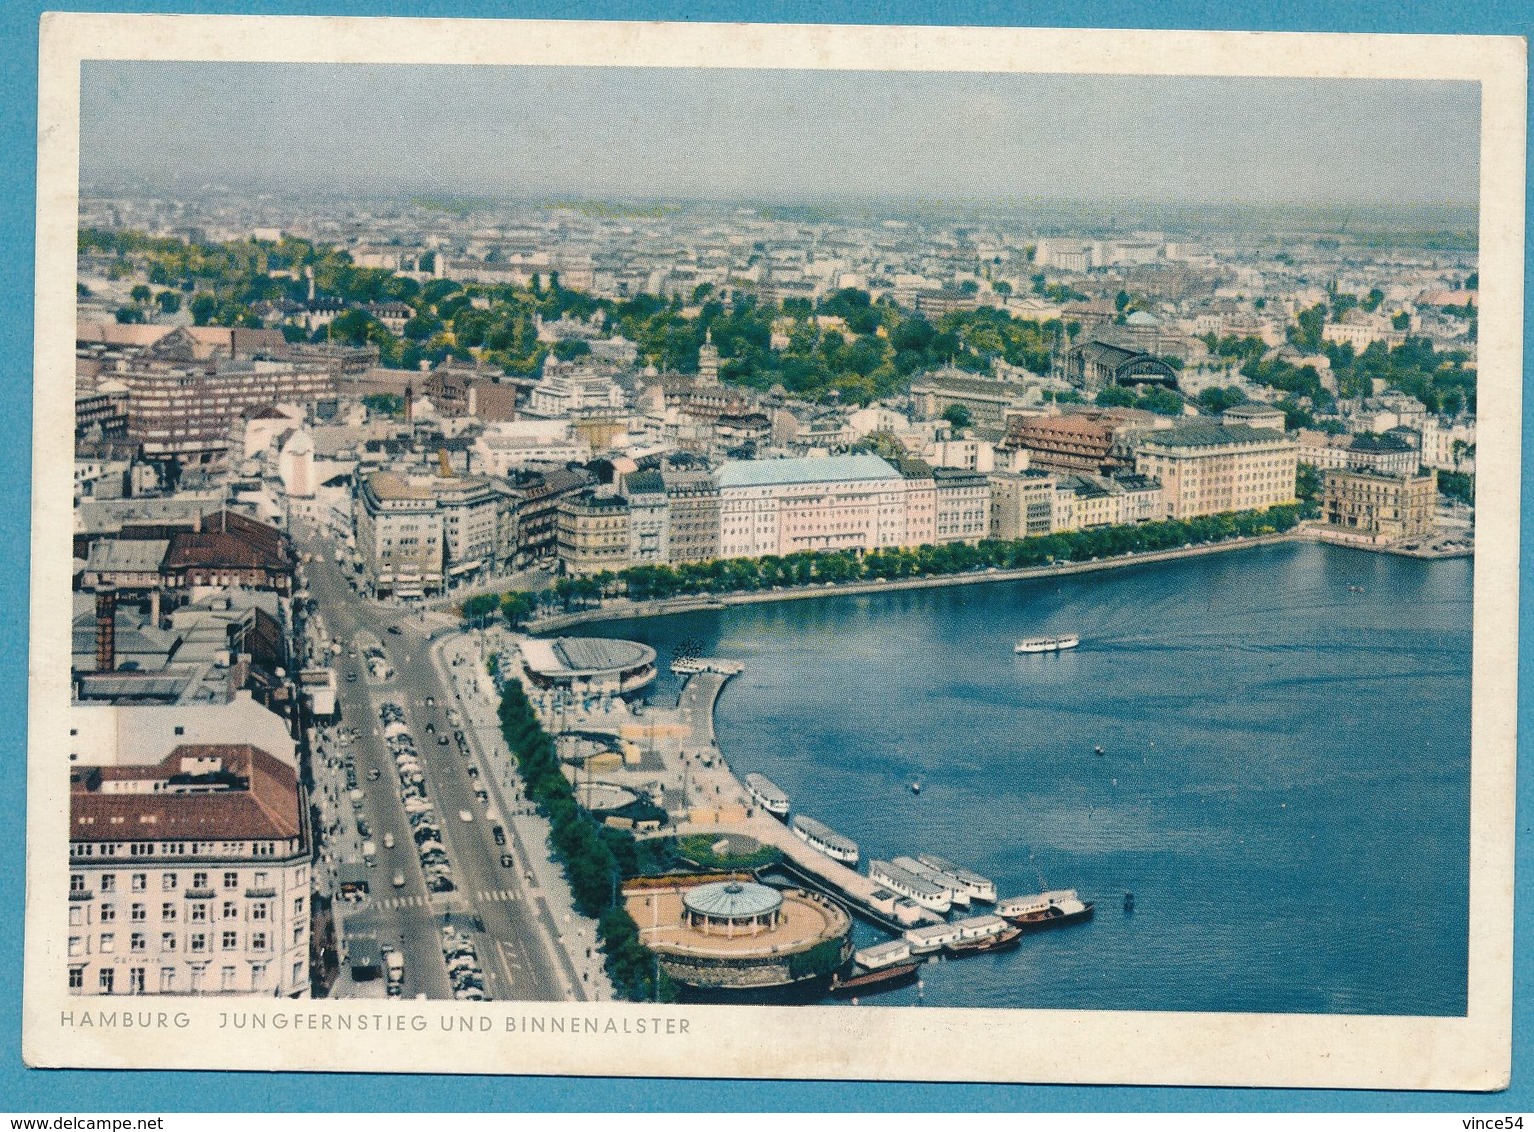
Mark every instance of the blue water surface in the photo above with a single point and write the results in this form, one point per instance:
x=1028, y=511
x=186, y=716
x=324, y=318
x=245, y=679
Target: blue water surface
x=1283, y=785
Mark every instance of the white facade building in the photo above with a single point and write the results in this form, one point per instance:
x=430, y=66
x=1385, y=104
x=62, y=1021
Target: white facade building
x=190, y=877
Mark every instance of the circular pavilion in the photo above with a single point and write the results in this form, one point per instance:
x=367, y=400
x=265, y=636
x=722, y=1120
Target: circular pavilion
x=587, y=666
x=732, y=908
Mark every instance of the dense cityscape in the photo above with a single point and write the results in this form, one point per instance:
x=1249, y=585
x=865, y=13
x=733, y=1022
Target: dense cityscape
x=343, y=471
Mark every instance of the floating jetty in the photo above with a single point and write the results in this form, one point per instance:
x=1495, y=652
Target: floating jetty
x=697, y=665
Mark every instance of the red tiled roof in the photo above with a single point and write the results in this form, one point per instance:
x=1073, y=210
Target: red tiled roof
x=266, y=806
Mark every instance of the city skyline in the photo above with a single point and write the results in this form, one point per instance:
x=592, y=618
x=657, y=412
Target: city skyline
x=780, y=136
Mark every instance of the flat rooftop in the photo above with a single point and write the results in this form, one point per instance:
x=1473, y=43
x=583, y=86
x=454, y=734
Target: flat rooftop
x=565, y=657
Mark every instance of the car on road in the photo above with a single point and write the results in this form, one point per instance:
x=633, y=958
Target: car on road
x=465, y=816
x=441, y=740
x=507, y=862
x=394, y=629
x=482, y=796
x=499, y=834
x=351, y=677
x=363, y=829
x=388, y=841
x=399, y=880
x=374, y=775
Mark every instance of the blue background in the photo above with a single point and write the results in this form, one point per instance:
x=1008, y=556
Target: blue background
x=82, y=1092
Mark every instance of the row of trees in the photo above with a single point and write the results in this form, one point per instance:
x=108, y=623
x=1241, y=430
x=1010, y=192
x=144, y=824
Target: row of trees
x=746, y=575
x=595, y=857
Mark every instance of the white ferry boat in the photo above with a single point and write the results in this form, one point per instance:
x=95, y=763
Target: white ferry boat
x=958, y=896
x=958, y=936
x=1045, y=909
x=924, y=892
x=885, y=954
x=978, y=887
x=767, y=794
x=821, y=837
x=1046, y=644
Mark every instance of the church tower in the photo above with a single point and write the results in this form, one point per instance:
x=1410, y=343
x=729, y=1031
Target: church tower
x=708, y=360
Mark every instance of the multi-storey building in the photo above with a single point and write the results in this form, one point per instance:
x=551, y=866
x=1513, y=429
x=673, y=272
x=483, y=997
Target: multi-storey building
x=809, y=503
x=1022, y=504
x=399, y=534
x=593, y=533
x=692, y=521
x=1075, y=442
x=987, y=399
x=1388, y=452
x=191, y=876
x=649, y=518
x=1379, y=507
x=538, y=495
x=1207, y=469
x=185, y=409
x=471, y=508
x=962, y=506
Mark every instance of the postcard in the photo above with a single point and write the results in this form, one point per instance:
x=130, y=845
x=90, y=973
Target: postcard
x=707, y=550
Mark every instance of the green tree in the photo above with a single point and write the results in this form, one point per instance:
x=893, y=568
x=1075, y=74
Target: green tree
x=169, y=301
x=129, y=314
x=141, y=294
x=203, y=307
x=958, y=416
x=1116, y=395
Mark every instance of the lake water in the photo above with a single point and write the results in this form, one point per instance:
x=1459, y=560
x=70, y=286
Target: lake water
x=1284, y=783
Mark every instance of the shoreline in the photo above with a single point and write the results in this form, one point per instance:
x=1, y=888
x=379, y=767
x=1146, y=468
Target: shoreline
x=620, y=609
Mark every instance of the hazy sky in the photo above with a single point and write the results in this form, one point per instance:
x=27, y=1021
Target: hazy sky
x=775, y=135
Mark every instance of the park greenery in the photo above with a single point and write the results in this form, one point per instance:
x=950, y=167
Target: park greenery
x=845, y=347
x=810, y=568
x=595, y=857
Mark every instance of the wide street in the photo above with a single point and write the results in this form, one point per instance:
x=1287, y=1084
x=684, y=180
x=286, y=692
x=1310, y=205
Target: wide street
x=518, y=925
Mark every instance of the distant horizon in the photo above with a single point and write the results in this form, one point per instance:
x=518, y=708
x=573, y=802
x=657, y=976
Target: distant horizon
x=780, y=138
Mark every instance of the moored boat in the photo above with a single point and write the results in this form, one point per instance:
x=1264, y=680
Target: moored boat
x=1045, y=909
x=978, y=887
x=1004, y=940
x=958, y=895
x=1047, y=644
x=821, y=837
x=886, y=954
x=871, y=982
x=924, y=892
x=767, y=794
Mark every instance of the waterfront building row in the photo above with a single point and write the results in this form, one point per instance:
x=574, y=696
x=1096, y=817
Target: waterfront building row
x=757, y=508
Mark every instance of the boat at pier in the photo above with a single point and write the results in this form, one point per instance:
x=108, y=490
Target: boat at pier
x=958, y=895
x=822, y=838
x=1046, y=644
x=924, y=892
x=982, y=934
x=1045, y=909
x=978, y=887
x=767, y=794
x=880, y=955
x=959, y=937
x=855, y=982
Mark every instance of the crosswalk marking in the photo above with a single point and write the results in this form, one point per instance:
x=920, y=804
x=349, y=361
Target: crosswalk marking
x=494, y=895
x=484, y=896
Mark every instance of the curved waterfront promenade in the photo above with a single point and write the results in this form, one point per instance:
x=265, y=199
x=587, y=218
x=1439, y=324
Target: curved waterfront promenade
x=616, y=608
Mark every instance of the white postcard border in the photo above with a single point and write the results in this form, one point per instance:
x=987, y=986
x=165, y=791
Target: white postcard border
x=816, y=1042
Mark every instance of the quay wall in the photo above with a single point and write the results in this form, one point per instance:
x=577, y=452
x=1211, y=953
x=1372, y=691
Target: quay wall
x=621, y=608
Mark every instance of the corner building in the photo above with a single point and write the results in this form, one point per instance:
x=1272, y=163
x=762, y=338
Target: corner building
x=808, y=504
x=189, y=877
x=1208, y=469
